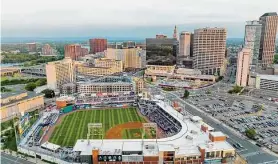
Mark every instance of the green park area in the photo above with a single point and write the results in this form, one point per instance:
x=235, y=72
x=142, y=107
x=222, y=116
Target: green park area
x=27, y=59
x=8, y=132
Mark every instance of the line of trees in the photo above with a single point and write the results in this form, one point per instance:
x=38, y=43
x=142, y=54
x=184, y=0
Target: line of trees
x=32, y=85
x=39, y=81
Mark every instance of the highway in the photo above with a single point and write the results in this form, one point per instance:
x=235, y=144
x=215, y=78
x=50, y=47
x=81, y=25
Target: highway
x=251, y=152
x=9, y=159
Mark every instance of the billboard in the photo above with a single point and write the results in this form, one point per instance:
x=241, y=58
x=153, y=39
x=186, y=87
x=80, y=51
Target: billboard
x=24, y=123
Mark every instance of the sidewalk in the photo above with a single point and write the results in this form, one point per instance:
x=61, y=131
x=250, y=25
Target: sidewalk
x=17, y=155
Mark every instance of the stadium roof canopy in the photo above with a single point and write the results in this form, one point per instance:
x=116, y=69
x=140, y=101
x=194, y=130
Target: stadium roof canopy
x=50, y=146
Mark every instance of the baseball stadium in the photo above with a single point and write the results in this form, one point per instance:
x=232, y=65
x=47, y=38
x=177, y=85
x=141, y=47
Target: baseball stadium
x=123, y=128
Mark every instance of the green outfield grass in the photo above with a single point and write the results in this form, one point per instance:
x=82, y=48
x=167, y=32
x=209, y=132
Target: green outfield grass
x=75, y=126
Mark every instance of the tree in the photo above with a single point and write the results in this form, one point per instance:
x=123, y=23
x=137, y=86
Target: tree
x=208, y=92
x=48, y=93
x=30, y=86
x=41, y=82
x=186, y=94
x=251, y=133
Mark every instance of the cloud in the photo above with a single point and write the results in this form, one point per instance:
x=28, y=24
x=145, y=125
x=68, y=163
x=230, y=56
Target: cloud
x=108, y=17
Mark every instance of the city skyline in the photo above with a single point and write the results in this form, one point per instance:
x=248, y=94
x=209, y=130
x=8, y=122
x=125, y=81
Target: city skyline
x=145, y=19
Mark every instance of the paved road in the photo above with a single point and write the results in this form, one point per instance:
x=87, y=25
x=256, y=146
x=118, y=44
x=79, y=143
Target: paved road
x=251, y=152
x=8, y=159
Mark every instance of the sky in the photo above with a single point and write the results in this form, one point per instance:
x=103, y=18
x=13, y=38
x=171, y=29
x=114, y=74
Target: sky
x=126, y=18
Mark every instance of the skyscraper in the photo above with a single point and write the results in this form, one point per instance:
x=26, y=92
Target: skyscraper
x=252, y=39
x=97, y=45
x=209, y=48
x=161, y=51
x=243, y=60
x=184, y=46
x=269, y=23
x=73, y=51
x=175, y=34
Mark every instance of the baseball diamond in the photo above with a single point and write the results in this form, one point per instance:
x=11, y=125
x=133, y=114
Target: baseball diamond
x=75, y=125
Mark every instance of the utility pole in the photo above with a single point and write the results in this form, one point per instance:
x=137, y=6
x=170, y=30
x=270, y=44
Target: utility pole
x=34, y=145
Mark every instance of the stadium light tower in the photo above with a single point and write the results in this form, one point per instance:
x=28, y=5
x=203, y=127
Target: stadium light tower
x=94, y=129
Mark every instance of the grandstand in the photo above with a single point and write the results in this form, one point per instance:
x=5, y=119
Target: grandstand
x=156, y=114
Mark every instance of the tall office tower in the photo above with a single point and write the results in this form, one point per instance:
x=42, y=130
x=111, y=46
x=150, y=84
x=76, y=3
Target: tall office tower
x=132, y=58
x=252, y=40
x=175, y=34
x=59, y=73
x=73, y=51
x=243, y=60
x=98, y=45
x=32, y=47
x=184, y=46
x=161, y=51
x=269, y=23
x=209, y=48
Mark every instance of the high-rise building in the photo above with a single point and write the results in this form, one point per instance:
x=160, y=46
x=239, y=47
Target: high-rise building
x=252, y=40
x=243, y=60
x=184, y=46
x=32, y=47
x=73, y=51
x=132, y=57
x=175, y=34
x=269, y=23
x=47, y=50
x=60, y=72
x=161, y=51
x=97, y=45
x=209, y=48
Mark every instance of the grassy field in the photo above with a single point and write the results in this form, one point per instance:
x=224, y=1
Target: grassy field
x=75, y=126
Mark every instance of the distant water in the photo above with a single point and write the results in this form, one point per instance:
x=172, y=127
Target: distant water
x=9, y=64
x=65, y=39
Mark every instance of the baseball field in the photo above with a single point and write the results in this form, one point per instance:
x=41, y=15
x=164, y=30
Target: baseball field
x=117, y=123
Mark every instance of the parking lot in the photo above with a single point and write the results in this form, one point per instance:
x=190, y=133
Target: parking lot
x=242, y=115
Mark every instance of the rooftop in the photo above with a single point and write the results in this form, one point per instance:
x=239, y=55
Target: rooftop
x=132, y=146
x=216, y=146
x=269, y=14
x=217, y=134
x=269, y=77
x=16, y=90
x=50, y=146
